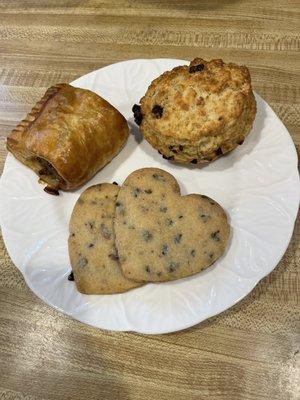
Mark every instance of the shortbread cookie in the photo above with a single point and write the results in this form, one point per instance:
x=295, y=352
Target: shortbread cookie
x=196, y=113
x=161, y=235
x=92, y=251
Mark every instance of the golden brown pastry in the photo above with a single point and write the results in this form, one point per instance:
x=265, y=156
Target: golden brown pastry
x=68, y=136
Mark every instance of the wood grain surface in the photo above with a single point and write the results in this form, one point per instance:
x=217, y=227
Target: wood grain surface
x=249, y=352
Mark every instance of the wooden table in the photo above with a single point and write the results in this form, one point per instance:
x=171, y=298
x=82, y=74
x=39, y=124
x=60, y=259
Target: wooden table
x=248, y=352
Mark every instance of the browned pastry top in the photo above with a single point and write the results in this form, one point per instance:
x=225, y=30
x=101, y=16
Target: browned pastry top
x=72, y=131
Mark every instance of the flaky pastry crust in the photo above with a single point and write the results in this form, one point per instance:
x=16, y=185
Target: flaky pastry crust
x=68, y=136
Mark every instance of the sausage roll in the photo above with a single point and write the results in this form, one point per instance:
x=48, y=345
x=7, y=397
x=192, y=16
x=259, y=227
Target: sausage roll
x=68, y=136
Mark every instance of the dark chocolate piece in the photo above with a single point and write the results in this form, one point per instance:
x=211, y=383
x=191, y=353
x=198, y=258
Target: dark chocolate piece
x=137, y=114
x=196, y=68
x=71, y=277
x=157, y=110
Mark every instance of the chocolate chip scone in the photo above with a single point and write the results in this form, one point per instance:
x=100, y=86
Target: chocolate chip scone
x=196, y=113
x=161, y=235
x=92, y=251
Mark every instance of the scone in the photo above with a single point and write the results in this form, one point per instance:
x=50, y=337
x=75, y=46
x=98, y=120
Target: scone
x=194, y=114
x=92, y=251
x=161, y=235
x=68, y=136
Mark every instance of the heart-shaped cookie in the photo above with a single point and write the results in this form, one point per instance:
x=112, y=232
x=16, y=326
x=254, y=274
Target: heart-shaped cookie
x=161, y=235
x=92, y=249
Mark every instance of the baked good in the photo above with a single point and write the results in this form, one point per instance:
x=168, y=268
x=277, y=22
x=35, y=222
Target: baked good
x=161, y=235
x=196, y=113
x=92, y=251
x=68, y=136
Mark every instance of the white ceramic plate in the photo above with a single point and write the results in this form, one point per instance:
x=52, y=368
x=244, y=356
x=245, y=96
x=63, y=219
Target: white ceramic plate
x=257, y=184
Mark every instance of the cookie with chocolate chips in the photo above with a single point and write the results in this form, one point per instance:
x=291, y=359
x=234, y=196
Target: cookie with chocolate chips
x=161, y=235
x=93, y=255
x=195, y=114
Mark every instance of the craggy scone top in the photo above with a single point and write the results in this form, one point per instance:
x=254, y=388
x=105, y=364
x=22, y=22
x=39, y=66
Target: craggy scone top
x=207, y=106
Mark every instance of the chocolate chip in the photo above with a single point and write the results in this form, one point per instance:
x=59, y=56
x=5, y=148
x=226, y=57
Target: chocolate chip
x=180, y=147
x=216, y=236
x=147, y=269
x=172, y=266
x=147, y=236
x=159, y=177
x=91, y=245
x=90, y=224
x=163, y=209
x=241, y=142
x=136, y=191
x=211, y=255
x=219, y=151
x=193, y=253
x=82, y=262
x=71, y=277
x=105, y=231
x=73, y=234
x=148, y=191
x=220, y=118
x=168, y=158
x=164, y=249
x=51, y=190
x=196, y=68
x=137, y=114
x=177, y=238
x=115, y=183
x=171, y=148
x=180, y=216
x=169, y=222
x=120, y=208
x=113, y=257
x=194, y=161
x=205, y=217
x=157, y=110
